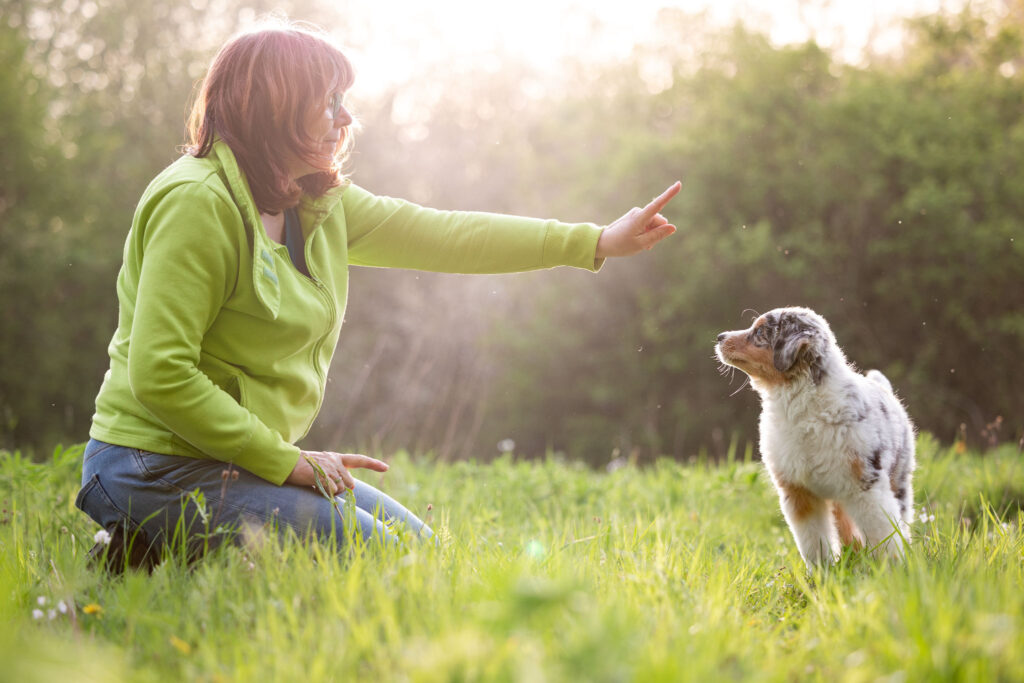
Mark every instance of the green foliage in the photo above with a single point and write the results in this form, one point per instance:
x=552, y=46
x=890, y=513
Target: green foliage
x=88, y=132
x=886, y=196
x=25, y=189
x=546, y=571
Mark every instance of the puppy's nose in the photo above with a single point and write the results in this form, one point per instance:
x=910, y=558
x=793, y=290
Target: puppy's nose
x=721, y=337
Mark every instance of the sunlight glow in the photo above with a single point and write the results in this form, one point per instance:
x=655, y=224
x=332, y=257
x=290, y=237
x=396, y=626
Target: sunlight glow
x=395, y=41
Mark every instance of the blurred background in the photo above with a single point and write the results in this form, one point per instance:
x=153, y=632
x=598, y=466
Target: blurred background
x=865, y=159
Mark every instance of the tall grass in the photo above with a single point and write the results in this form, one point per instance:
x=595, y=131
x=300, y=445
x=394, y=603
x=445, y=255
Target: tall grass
x=545, y=571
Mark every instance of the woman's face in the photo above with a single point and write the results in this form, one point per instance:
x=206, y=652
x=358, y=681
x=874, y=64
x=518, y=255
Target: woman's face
x=325, y=126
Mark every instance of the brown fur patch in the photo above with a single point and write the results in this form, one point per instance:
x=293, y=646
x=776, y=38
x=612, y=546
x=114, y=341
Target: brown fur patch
x=756, y=361
x=803, y=501
x=857, y=467
x=847, y=529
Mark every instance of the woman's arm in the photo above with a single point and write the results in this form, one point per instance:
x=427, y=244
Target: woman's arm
x=394, y=233
x=187, y=260
x=389, y=232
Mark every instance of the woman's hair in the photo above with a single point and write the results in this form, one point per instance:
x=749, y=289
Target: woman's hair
x=261, y=89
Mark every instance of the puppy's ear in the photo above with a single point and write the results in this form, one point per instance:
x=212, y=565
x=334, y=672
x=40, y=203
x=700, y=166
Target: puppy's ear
x=788, y=348
x=799, y=346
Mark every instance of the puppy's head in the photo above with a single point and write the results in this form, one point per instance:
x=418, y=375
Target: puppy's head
x=781, y=347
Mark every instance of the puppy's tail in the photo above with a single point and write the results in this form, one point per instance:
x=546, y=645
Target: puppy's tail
x=878, y=378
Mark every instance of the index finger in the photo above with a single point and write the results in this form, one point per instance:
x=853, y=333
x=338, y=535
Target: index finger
x=659, y=202
x=355, y=460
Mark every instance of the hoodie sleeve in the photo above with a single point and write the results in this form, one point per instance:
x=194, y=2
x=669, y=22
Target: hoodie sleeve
x=395, y=233
x=189, y=265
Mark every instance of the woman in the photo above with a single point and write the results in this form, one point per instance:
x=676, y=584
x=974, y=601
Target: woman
x=233, y=290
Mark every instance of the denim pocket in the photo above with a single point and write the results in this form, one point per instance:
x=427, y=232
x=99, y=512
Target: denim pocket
x=94, y=501
x=165, y=473
x=139, y=460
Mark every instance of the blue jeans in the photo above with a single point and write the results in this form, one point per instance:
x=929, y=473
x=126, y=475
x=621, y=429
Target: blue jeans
x=154, y=493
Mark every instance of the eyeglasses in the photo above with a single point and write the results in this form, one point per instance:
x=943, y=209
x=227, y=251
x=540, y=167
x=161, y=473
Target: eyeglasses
x=335, y=104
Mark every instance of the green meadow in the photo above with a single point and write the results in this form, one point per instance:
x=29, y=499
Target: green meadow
x=545, y=571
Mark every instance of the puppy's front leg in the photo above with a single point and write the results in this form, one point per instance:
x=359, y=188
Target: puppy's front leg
x=877, y=513
x=810, y=519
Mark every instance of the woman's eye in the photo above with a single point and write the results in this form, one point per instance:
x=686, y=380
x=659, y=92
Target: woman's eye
x=334, y=104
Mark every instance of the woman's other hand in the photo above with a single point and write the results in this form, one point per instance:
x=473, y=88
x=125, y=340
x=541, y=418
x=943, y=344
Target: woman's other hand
x=639, y=229
x=318, y=465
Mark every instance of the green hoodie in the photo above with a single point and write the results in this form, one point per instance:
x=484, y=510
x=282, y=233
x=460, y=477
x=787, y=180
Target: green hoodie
x=222, y=346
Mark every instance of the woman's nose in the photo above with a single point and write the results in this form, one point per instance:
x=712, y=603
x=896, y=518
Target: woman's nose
x=343, y=118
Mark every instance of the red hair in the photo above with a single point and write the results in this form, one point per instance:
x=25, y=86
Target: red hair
x=260, y=90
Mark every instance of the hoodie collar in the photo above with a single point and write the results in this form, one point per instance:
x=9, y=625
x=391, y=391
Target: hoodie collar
x=313, y=211
x=243, y=195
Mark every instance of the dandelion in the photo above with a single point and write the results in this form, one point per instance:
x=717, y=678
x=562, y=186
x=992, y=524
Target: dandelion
x=93, y=608
x=180, y=645
x=102, y=536
x=37, y=614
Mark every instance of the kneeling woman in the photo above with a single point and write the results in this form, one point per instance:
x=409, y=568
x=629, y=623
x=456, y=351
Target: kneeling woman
x=232, y=293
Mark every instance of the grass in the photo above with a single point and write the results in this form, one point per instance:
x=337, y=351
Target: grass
x=546, y=571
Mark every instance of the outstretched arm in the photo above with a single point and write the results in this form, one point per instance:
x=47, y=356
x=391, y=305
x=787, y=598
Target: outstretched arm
x=394, y=233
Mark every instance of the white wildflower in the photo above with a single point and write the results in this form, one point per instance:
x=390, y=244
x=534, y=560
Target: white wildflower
x=62, y=607
x=506, y=445
x=616, y=464
x=102, y=536
x=41, y=600
x=51, y=614
x=37, y=614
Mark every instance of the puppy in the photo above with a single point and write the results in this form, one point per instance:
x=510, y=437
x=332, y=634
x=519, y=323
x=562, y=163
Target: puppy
x=838, y=445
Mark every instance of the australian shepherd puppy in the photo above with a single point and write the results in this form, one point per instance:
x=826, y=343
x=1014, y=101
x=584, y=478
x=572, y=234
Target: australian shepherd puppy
x=837, y=444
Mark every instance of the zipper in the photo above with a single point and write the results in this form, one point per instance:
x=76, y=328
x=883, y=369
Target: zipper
x=321, y=288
